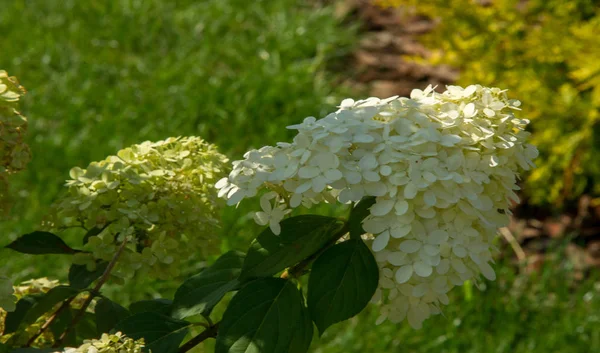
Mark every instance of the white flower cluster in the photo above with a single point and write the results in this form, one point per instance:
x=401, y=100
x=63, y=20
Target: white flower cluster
x=442, y=166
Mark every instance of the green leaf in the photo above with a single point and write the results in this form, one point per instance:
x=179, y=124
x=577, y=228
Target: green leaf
x=33, y=350
x=37, y=243
x=93, y=232
x=108, y=314
x=80, y=277
x=4, y=348
x=162, y=333
x=161, y=306
x=300, y=237
x=358, y=214
x=14, y=318
x=342, y=282
x=60, y=324
x=47, y=301
x=85, y=328
x=267, y=316
x=200, y=293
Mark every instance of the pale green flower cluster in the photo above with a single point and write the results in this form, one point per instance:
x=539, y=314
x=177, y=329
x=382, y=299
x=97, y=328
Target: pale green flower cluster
x=109, y=343
x=160, y=196
x=14, y=153
x=442, y=166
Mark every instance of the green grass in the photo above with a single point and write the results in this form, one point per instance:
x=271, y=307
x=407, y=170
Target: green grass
x=103, y=75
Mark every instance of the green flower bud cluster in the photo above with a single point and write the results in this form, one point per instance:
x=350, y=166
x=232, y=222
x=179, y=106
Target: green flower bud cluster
x=14, y=153
x=160, y=196
x=115, y=343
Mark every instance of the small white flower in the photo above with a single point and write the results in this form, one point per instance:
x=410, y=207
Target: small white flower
x=271, y=215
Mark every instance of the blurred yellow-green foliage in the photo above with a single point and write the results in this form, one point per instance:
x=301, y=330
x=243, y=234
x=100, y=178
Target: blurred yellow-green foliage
x=547, y=53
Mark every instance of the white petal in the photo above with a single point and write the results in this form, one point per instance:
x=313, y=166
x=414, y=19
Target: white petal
x=410, y=191
x=382, y=207
x=429, y=198
x=404, y=273
x=401, y=207
x=308, y=172
x=410, y=246
x=381, y=241
x=487, y=271
x=469, y=110
x=400, y=232
x=422, y=269
x=261, y=218
x=333, y=174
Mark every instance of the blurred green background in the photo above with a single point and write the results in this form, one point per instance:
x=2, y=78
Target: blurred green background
x=103, y=75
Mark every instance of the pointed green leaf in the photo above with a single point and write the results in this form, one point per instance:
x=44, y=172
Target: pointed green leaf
x=108, y=314
x=161, y=333
x=80, y=277
x=342, y=282
x=37, y=243
x=300, y=237
x=161, y=306
x=358, y=214
x=47, y=302
x=85, y=328
x=200, y=293
x=14, y=318
x=267, y=316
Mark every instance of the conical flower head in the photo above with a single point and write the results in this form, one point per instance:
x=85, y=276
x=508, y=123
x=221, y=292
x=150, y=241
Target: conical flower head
x=442, y=166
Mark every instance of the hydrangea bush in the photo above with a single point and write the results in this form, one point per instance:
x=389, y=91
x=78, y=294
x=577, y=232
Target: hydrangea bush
x=427, y=181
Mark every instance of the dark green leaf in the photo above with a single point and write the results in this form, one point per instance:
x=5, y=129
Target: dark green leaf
x=4, y=348
x=85, y=328
x=358, y=214
x=32, y=350
x=200, y=293
x=80, y=277
x=162, y=333
x=47, y=302
x=13, y=319
x=267, y=316
x=300, y=237
x=37, y=243
x=108, y=314
x=342, y=281
x=161, y=306
x=60, y=324
x=93, y=232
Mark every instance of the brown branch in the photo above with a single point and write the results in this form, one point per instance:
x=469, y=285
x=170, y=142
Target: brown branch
x=203, y=336
x=93, y=293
